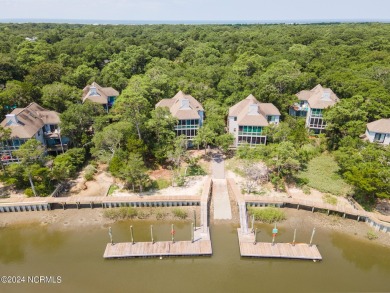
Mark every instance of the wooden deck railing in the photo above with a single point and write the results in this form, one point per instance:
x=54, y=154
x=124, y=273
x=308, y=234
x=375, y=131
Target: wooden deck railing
x=380, y=222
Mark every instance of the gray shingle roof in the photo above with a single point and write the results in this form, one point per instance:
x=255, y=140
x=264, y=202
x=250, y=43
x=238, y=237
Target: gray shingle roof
x=29, y=120
x=101, y=96
x=318, y=97
x=379, y=126
x=241, y=110
x=179, y=110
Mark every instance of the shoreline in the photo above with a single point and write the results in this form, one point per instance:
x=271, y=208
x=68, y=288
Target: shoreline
x=74, y=219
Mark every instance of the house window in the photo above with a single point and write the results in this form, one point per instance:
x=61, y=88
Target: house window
x=316, y=112
x=379, y=137
x=317, y=123
x=271, y=118
x=235, y=118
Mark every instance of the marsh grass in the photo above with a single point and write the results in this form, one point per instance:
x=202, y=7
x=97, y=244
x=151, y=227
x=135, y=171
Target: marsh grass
x=267, y=215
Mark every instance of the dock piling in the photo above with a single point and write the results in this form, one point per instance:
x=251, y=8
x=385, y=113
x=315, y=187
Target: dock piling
x=295, y=234
x=110, y=234
x=173, y=234
x=192, y=232
x=131, y=233
x=151, y=233
x=254, y=243
x=194, y=219
x=312, y=235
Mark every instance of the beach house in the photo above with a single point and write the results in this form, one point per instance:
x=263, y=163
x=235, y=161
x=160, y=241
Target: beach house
x=105, y=96
x=33, y=121
x=188, y=111
x=248, y=118
x=379, y=131
x=312, y=104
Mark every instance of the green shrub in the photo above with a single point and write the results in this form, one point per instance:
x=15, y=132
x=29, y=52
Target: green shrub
x=160, y=215
x=195, y=170
x=180, y=180
x=161, y=184
x=112, y=189
x=306, y=189
x=267, y=215
x=29, y=192
x=122, y=213
x=301, y=181
x=89, y=172
x=179, y=213
x=372, y=235
x=142, y=215
x=277, y=182
x=330, y=199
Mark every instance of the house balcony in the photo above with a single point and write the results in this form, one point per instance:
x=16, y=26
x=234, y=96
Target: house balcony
x=251, y=140
x=6, y=155
x=250, y=133
x=186, y=127
x=318, y=115
x=317, y=126
x=57, y=148
x=299, y=107
x=298, y=110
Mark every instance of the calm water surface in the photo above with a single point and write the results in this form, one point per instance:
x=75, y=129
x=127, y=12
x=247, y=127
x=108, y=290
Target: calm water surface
x=76, y=255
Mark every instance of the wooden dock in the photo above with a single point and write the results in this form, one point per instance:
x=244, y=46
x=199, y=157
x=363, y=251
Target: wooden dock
x=278, y=250
x=200, y=247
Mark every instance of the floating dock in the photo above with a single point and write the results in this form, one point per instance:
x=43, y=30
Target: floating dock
x=248, y=248
x=201, y=246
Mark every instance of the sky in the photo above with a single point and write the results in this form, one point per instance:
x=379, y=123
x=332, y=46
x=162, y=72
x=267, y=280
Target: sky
x=253, y=10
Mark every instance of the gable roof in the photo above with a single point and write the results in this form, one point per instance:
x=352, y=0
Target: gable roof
x=25, y=122
x=100, y=96
x=379, y=126
x=179, y=108
x=318, y=97
x=252, y=117
x=268, y=109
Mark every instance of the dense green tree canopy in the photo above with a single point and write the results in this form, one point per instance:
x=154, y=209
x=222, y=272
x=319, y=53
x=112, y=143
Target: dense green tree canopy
x=219, y=65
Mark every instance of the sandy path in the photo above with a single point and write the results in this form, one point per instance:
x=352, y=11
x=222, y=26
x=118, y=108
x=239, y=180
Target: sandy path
x=193, y=186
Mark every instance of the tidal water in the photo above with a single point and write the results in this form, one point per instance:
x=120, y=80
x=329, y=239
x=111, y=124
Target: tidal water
x=75, y=255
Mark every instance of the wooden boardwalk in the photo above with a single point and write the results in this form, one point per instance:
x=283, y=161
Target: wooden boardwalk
x=277, y=250
x=200, y=247
x=100, y=199
x=204, y=205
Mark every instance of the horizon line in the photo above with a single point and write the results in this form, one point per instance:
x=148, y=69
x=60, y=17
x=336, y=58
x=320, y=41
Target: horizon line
x=193, y=21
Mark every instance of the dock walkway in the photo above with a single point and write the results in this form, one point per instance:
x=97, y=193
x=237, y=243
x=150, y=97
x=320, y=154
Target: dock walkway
x=200, y=247
x=222, y=208
x=248, y=248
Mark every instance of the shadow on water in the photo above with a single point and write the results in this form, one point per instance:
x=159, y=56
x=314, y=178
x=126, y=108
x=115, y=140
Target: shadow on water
x=14, y=241
x=11, y=246
x=363, y=254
